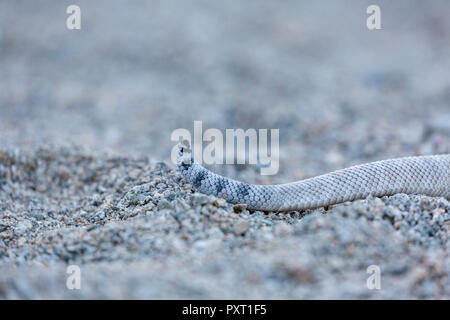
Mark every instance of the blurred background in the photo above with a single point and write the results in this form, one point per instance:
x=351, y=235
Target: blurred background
x=339, y=93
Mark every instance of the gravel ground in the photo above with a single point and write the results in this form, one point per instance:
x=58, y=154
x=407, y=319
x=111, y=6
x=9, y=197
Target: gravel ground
x=85, y=124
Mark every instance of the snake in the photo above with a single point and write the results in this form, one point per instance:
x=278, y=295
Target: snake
x=422, y=175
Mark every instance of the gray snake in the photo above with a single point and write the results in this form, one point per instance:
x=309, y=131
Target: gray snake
x=426, y=175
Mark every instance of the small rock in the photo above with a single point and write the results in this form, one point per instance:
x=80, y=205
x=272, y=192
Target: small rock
x=220, y=203
x=37, y=216
x=21, y=241
x=164, y=204
x=134, y=174
x=199, y=199
x=23, y=227
x=398, y=224
x=239, y=207
x=98, y=216
x=241, y=227
x=283, y=229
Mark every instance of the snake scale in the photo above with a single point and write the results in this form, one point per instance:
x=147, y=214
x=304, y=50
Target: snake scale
x=426, y=175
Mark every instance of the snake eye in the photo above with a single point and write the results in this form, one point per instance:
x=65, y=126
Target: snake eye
x=185, y=146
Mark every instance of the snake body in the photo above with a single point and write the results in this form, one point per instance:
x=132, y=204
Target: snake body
x=426, y=175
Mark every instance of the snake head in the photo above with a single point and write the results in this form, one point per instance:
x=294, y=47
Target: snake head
x=184, y=160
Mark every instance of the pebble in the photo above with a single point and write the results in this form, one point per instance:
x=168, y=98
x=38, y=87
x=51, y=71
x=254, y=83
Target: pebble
x=22, y=227
x=239, y=207
x=241, y=227
x=164, y=204
x=199, y=199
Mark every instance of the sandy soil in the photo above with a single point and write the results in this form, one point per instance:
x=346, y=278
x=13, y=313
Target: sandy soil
x=85, y=124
